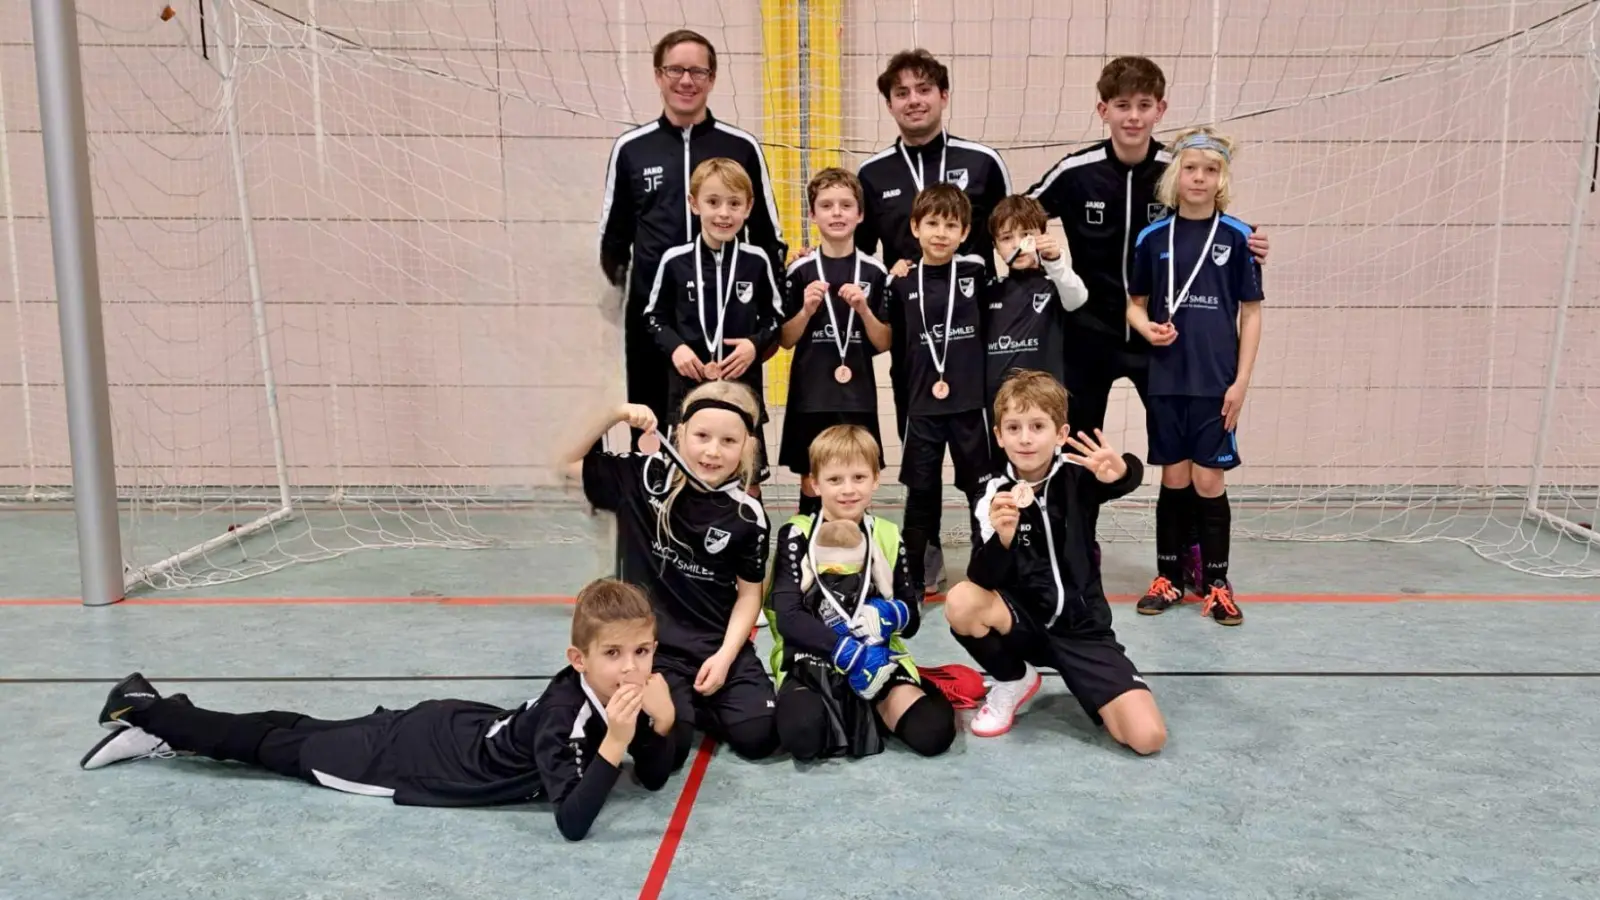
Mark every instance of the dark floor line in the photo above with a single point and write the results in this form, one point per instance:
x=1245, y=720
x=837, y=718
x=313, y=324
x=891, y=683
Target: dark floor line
x=357, y=679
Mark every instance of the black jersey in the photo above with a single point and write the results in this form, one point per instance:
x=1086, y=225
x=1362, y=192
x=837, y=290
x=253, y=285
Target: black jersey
x=717, y=538
x=1049, y=566
x=1025, y=320
x=701, y=297
x=1103, y=204
x=646, y=211
x=461, y=753
x=812, y=386
x=959, y=319
x=889, y=184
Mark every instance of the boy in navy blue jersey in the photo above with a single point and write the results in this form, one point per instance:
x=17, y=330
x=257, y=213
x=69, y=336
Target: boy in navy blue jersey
x=1195, y=294
x=714, y=306
x=938, y=308
x=1025, y=312
x=836, y=322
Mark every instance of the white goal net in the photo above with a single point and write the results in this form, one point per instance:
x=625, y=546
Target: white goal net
x=352, y=298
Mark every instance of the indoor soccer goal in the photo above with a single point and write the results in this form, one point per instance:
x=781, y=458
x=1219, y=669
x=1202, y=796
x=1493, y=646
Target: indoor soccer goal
x=352, y=299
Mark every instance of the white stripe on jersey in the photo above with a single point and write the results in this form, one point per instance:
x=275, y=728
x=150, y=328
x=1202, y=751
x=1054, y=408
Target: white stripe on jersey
x=655, y=286
x=1067, y=164
x=766, y=176
x=804, y=260
x=611, y=170
x=351, y=787
x=751, y=503
x=1005, y=174
x=777, y=295
x=980, y=510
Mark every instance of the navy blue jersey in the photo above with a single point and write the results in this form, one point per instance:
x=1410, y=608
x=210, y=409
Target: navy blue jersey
x=1204, y=360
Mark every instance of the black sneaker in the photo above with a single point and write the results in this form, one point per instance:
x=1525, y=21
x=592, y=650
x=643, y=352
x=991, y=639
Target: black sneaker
x=131, y=693
x=1161, y=597
x=1221, y=605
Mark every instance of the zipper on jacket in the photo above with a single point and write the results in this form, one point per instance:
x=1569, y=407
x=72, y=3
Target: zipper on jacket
x=1127, y=232
x=688, y=214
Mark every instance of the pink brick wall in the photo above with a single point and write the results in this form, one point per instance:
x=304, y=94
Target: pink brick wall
x=428, y=265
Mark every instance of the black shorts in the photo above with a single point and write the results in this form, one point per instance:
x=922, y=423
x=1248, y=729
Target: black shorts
x=922, y=459
x=801, y=428
x=746, y=694
x=1096, y=360
x=1094, y=665
x=1189, y=429
x=854, y=727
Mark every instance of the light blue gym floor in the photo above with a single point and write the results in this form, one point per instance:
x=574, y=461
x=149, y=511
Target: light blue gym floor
x=1358, y=737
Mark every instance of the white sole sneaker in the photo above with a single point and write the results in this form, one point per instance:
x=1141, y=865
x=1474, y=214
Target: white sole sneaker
x=131, y=742
x=999, y=726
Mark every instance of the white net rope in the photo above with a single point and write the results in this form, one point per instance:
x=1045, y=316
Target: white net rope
x=418, y=183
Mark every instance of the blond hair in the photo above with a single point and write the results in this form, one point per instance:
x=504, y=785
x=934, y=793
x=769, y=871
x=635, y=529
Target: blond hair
x=735, y=392
x=843, y=445
x=1028, y=389
x=606, y=601
x=732, y=175
x=1167, y=188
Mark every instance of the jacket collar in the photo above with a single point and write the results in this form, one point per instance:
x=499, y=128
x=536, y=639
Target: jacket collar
x=1116, y=162
x=699, y=128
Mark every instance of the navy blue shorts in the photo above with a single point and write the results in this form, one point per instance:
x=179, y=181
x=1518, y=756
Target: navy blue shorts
x=1189, y=429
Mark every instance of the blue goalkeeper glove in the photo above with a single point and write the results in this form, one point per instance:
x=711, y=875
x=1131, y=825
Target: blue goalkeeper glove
x=893, y=616
x=867, y=668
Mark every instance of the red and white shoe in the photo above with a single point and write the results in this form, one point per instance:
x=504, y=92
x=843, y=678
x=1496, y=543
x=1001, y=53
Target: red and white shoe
x=1005, y=702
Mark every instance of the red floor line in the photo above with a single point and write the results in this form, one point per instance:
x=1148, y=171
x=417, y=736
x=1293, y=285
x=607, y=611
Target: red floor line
x=668, y=848
x=557, y=600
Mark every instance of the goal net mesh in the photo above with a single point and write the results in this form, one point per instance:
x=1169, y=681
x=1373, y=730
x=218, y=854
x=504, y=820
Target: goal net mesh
x=348, y=251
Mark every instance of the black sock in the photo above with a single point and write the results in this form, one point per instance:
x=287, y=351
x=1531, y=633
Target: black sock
x=1190, y=506
x=219, y=735
x=810, y=506
x=1216, y=528
x=921, y=525
x=1171, y=523
x=991, y=654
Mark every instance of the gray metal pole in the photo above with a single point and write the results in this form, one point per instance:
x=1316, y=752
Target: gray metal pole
x=83, y=346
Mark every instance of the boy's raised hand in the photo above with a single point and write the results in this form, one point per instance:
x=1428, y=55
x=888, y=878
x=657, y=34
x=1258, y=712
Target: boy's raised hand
x=855, y=297
x=656, y=701
x=1097, y=455
x=1003, y=516
x=622, y=713
x=816, y=292
x=1046, y=246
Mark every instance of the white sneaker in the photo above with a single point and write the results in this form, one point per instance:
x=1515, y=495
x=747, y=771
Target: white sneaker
x=1004, y=703
x=123, y=744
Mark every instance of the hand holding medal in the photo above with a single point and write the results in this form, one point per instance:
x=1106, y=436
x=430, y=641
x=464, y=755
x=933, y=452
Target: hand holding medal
x=841, y=338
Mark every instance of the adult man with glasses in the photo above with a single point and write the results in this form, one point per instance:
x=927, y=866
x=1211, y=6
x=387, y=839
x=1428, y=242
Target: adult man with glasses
x=646, y=209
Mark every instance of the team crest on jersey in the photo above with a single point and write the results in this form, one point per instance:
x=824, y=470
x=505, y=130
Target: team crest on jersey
x=966, y=287
x=1154, y=211
x=1220, y=253
x=1040, y=301
x=745, y=290
x=716, y=540
x=957, y=177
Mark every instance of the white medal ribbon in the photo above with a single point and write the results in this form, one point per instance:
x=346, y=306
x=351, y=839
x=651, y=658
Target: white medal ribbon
x=949, y=317
x=917, y=176
x=714, y=344
x=866, y=571
x=840, y=341
x=1172, y=259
